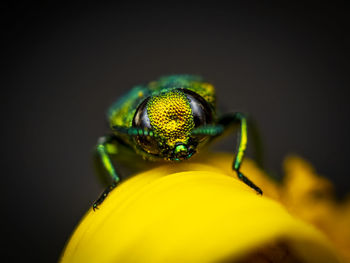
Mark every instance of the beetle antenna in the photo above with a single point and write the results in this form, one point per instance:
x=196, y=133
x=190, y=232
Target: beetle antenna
x=133, y=131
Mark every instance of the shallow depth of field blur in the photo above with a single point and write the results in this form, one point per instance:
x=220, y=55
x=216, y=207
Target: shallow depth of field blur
x=287, y=66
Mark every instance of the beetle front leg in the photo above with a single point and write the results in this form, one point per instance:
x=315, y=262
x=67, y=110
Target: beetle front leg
x=104, y=158
x=234, y=119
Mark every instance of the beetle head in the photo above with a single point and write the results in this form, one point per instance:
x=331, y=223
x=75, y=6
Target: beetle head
x=170, y=118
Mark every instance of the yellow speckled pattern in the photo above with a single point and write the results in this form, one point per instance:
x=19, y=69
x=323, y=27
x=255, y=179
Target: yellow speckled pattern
x=171, y=116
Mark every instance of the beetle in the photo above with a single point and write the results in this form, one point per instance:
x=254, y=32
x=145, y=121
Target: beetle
x=168, y=119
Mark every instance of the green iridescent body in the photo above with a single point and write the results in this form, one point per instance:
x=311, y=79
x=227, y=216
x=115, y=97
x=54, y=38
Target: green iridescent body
x=168, y=119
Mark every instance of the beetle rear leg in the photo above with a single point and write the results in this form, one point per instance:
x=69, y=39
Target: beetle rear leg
x=107, y=165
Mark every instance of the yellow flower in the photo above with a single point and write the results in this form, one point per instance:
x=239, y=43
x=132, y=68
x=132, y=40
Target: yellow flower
x=198, y=211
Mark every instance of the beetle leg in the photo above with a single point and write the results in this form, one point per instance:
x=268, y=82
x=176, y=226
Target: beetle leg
x=240, y=119
x=103, y=153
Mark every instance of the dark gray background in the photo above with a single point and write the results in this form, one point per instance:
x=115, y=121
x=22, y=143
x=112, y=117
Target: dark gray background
x=63, y=66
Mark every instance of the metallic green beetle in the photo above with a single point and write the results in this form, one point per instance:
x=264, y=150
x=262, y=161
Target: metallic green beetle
x=168, y=119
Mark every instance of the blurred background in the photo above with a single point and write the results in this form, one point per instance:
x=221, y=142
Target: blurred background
x=285, y=65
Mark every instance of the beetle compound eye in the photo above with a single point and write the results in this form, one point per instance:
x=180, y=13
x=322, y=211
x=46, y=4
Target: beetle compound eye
x=141, y=120
x=201, y=110
x=148, y=144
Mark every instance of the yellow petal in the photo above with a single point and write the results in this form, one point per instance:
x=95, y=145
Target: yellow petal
x=193, y=212
x=310, y=197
